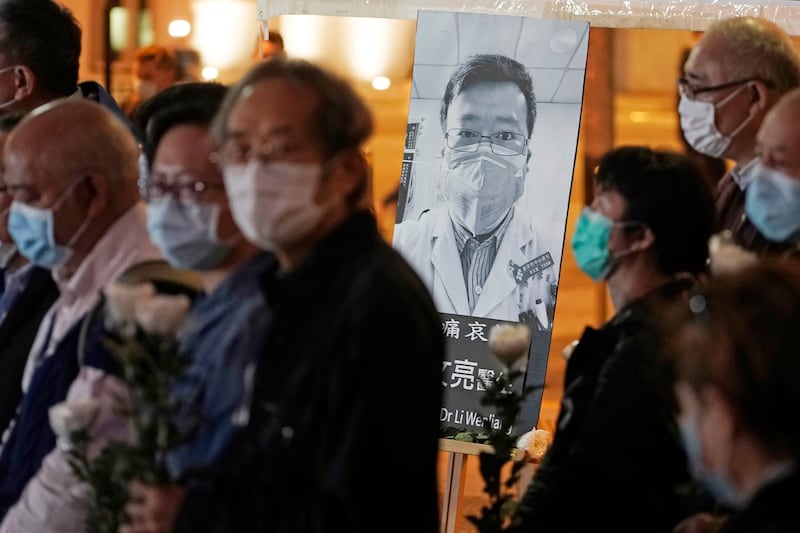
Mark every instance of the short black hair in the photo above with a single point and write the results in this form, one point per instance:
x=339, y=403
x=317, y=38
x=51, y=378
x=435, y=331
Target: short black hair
x=186, y=103
x=492, y=68
x=171, y=96
x=664, y=191
x=45, y=37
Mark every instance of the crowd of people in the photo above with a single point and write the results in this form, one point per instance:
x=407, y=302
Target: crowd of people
x=252, y=200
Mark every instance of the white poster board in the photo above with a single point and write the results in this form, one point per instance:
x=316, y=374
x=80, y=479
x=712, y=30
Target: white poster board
x=483, y=222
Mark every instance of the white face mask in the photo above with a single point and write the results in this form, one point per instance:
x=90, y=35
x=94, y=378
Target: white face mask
x=273, y=203
x=481, y=187
x=699, y=127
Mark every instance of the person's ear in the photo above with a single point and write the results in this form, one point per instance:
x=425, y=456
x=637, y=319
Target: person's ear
x=349, y=171
x=760, y=97
x=96, y=191
x=24, y=81
x=644, y=239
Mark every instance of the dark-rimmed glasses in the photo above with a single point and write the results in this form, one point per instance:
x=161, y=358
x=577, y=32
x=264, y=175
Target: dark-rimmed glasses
x=188, y=191
x=686, y=88
x=501, y=143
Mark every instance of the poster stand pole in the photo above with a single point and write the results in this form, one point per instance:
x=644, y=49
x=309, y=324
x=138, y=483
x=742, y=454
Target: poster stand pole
x=454, y=480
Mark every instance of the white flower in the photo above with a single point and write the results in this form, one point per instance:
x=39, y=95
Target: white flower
x=510, y=342
x=67, y=418
x=121, y=300
x=726, y=257
x=161, y=314
x=534, y=443
x=566, y=353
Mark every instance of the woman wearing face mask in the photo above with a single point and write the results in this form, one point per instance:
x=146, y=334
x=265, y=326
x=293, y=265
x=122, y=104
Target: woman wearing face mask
x=616, y=460
x=736, y=368
x=190, y=221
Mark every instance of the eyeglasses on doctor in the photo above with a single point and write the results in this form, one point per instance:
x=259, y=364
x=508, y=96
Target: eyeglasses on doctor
x=500, y=143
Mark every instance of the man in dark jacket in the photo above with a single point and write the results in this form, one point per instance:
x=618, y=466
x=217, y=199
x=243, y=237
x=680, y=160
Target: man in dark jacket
x=351, y=325
x=26, y=293
x=616, y=462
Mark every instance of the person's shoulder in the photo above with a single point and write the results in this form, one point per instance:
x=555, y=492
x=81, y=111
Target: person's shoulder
x=411, y=230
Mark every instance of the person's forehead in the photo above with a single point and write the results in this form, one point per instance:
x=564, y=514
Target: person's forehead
x=780, y=133
x=610, y=201
x=147, y=67
x=186, y=145
x=489, y=102
x=707, y=60
x=272, y=106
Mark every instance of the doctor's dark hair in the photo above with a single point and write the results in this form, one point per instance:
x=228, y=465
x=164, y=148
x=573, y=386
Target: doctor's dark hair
x=489, y=68
x=665, y=192
x=45, y=37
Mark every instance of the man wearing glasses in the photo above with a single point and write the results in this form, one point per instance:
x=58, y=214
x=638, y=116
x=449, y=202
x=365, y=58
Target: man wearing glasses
x=732, y=77
x=478, y=253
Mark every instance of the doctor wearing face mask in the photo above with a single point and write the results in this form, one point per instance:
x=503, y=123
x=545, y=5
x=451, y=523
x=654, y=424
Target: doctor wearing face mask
x=732, y=77
x=773, y=197
x=737, y=394
x=478, y=253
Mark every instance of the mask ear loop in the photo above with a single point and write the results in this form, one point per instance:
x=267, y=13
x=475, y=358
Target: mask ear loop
x=619, y=254
x=84, y=225
x=727, y=99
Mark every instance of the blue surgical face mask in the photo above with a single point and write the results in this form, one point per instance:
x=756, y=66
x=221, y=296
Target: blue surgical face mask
x=718, y=485
x=186, y=233
x=772, y=203
x=590, y=244
x=33, y=229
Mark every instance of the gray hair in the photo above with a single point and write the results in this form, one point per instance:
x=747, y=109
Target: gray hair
x=758, y=48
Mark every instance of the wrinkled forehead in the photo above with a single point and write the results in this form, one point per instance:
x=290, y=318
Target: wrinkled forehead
x=708, y=61
x=272, y=107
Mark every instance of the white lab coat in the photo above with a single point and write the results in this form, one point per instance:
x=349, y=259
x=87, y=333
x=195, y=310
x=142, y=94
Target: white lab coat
x=429, y=245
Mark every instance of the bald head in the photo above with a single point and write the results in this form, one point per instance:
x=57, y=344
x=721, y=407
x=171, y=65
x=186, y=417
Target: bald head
x=69, y=137
x=746, y=47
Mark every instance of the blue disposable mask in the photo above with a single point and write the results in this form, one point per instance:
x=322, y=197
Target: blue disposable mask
x=772, y=203
x=33, y=229
x=186, y=233
x=590, y=244
x=718, y=485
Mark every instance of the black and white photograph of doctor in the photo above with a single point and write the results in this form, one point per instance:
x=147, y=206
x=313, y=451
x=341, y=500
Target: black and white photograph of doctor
x=479, y=250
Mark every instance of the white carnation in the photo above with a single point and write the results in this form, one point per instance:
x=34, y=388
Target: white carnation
x=121, y=300
x=727, y=257
x=510, y=342
x=67, y=418
x=162, y=314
